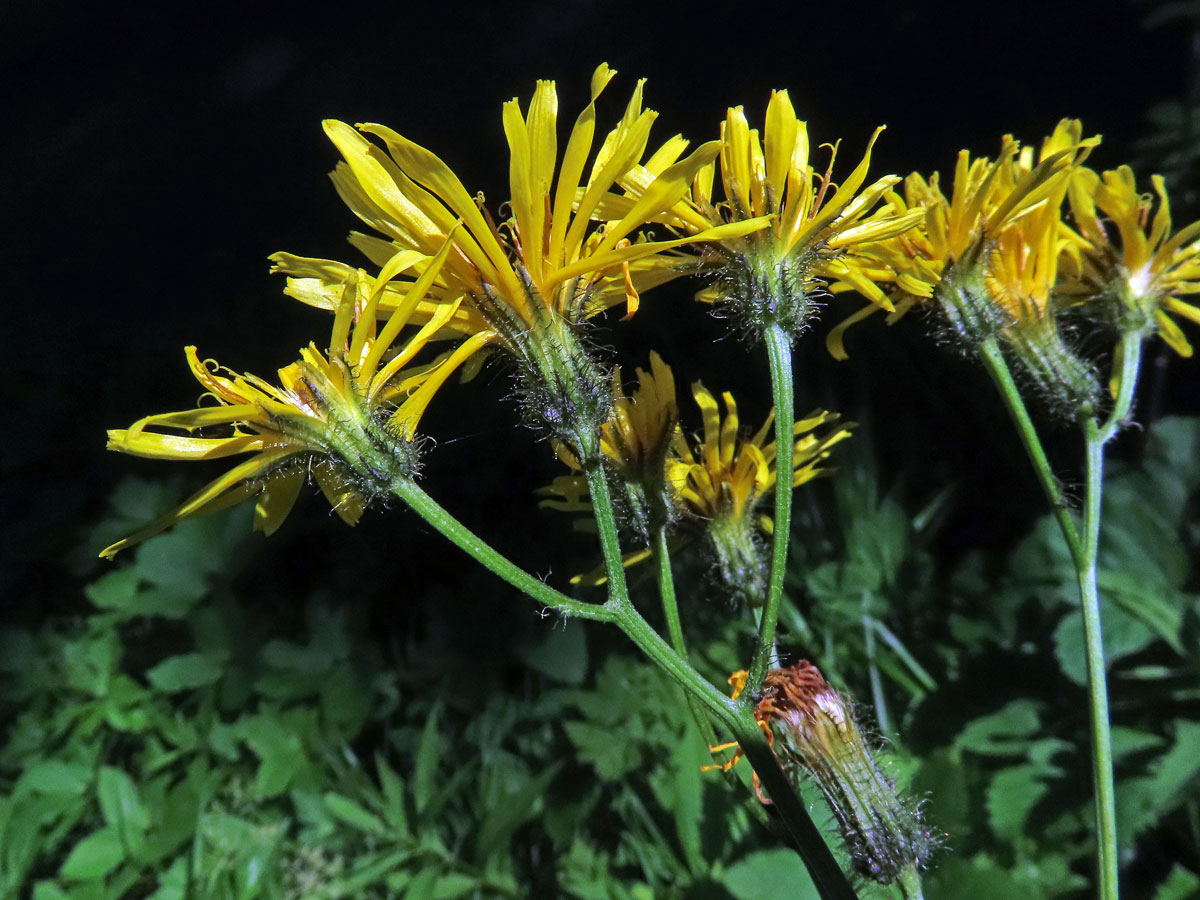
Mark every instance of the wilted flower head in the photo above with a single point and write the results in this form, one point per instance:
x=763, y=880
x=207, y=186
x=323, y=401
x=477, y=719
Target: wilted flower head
x=346, y=417
x=814, y=732
x=1135, y=278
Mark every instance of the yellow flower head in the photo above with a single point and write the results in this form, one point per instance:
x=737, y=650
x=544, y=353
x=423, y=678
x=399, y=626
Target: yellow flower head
x=528, y=282
x=346, y=417
x=1143, y=268
x=815, y=225
x=723, y=474
x=714, y=485
x=949, y=248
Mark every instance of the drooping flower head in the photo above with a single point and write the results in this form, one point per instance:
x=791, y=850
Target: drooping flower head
x=945, y=259
x=345, y=417
x=1137, y=276
x=528, y=283
x=714, y=485
x=723, y=476
x=770, y=276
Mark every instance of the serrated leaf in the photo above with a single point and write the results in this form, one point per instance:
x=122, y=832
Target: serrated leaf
x=1003, y=732
x=187, y=671
x=613, y=759
x=353, y=814
x=94, y=856
x=770, y=875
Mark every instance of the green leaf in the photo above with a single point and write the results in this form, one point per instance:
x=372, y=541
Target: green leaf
x=53, y=776
x=562, y=655
x=1179, y=767
x=94, y=856
x=1123, y=635
x=280, y=750
x=1152, y=603
x=1011, y=796
x=121, y=806
x=91, y=663
x=1180, y=885
x=770, y=875
x=48, y=890
x=613, y=759
x=354, y=815
x=1002, y=733
x=453, y=885
x=428, y=755
x=512, y=811
x=185, y=672
x=393, y=796
x=114, y=590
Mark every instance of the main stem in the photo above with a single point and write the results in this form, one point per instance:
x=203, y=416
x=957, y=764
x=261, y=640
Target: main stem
x=1096, y=436
x=1102, y=761
x=779, y=355
x=1084, y=553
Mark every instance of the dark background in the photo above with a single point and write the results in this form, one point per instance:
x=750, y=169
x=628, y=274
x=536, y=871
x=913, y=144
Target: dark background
x=154, y=155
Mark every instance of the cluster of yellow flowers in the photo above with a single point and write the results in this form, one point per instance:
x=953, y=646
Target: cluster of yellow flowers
x=1001, y=258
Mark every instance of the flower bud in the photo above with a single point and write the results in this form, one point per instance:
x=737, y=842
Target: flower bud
x=815, y=733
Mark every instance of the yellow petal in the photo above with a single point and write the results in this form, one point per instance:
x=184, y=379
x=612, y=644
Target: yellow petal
x=278, y=496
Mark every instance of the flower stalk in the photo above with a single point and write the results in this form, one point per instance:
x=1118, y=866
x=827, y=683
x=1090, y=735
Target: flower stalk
x=779, y=353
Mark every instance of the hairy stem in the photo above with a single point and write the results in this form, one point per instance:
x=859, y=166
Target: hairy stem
x=1096, y=436
x=998, y=369
x=606, y=525
x=779, y=354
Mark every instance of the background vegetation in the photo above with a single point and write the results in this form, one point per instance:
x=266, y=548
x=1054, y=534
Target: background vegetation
x=337, y=713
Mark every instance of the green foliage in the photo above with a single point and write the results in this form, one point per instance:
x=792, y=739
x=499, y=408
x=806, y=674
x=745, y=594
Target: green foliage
x=189, y=737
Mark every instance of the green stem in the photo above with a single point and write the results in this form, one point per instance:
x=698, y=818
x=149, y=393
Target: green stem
x=1084, y=553
x=998, y=369
x=779, y=354
x=733, y=715
x=474, y=546
x=1096, y=436
x=1102, y=761
x=666, y=591
x=737, y=716
x=606, y=525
